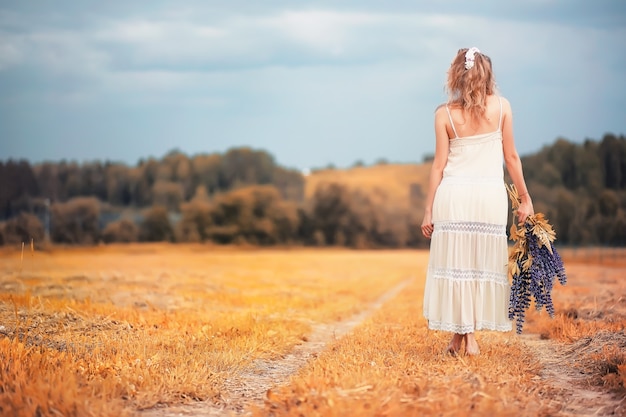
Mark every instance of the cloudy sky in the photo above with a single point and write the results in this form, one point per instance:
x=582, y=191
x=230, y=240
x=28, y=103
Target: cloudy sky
x=313, y=82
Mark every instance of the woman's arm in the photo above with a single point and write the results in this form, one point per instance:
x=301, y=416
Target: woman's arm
x=514, y=163
x=442, y=147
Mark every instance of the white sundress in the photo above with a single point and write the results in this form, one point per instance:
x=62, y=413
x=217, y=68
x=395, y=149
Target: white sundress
x=467, y=286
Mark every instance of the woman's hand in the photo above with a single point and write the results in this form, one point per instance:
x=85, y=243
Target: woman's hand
x=427, y=225
x=524, y=210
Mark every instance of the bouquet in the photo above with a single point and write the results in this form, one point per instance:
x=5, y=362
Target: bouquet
x=534, y=264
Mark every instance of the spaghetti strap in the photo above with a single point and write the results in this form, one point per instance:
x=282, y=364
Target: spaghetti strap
x=456, y=135
x=500, y=121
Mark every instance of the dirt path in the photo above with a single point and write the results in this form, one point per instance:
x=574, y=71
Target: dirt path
x=575, y=370
x=251, y=386
x=564, y=371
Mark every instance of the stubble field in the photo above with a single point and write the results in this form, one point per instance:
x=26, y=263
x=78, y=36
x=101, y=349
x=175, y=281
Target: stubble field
x=166, y=330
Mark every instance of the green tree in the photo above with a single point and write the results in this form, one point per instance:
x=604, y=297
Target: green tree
x=290, y=183
x=206, y=172
x=122, y=230
x=76, y=221
x=344, y=217
x=612, y=151
x=608, y=203
x=168, y=194
x=18, y=185
x=566, y=206
x=196, y=218
x=93, y=180
x=156, y=226
x=119, y=189
x=255, y=214
x=23, y=228
x=245, y=166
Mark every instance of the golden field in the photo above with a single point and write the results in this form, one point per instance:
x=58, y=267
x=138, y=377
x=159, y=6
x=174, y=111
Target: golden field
x=160, y=330
x=390, y=183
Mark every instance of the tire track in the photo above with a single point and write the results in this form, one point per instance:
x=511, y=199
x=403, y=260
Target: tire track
x=249, y=387
x=574, y=395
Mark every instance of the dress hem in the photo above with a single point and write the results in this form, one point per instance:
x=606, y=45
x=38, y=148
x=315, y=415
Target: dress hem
x=468, y=328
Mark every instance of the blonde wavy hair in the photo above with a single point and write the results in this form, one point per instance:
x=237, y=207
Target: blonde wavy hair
x=469, y=88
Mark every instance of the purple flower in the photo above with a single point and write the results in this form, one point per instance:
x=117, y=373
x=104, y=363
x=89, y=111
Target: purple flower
x=538, y=265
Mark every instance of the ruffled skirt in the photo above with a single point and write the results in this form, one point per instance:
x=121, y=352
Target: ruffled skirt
x=467, y=287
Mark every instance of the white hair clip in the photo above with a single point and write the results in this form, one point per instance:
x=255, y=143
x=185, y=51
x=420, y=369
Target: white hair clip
x=469, y=57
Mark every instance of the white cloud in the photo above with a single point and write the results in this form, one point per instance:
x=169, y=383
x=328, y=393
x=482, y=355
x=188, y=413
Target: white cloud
x=145, y=53
x=10, y=53
x=312, y=37
x=308, y=37
x=272, y=75
x=325, y=30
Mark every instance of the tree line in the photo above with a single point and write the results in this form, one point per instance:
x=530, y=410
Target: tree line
x=582, y=189
x=241, y=196
x=244, y=196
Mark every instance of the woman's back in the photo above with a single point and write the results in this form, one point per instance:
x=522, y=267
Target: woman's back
x=463, y=126
x=475, y=150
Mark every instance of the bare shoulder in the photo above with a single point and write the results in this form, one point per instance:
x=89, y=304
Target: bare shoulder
x=441, y=116
x=506, y=105
x=440, y=108
x=441, y=111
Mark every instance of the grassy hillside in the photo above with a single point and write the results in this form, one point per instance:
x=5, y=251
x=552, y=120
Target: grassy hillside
x=392, y=182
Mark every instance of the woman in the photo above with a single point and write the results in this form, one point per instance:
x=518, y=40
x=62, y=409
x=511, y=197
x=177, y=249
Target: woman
x=467, y=287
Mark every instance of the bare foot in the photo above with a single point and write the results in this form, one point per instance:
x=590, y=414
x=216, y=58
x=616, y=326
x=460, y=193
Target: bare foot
x=471, y=346
x=455, y=344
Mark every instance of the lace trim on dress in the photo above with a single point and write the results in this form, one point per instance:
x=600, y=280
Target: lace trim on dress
x=454, y=179
x=471, y=141
x=470, y=227
x=470, y=275
x=469, y=328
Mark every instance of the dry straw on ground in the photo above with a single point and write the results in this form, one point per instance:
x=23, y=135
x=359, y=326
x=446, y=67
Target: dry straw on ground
x=114, y=330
